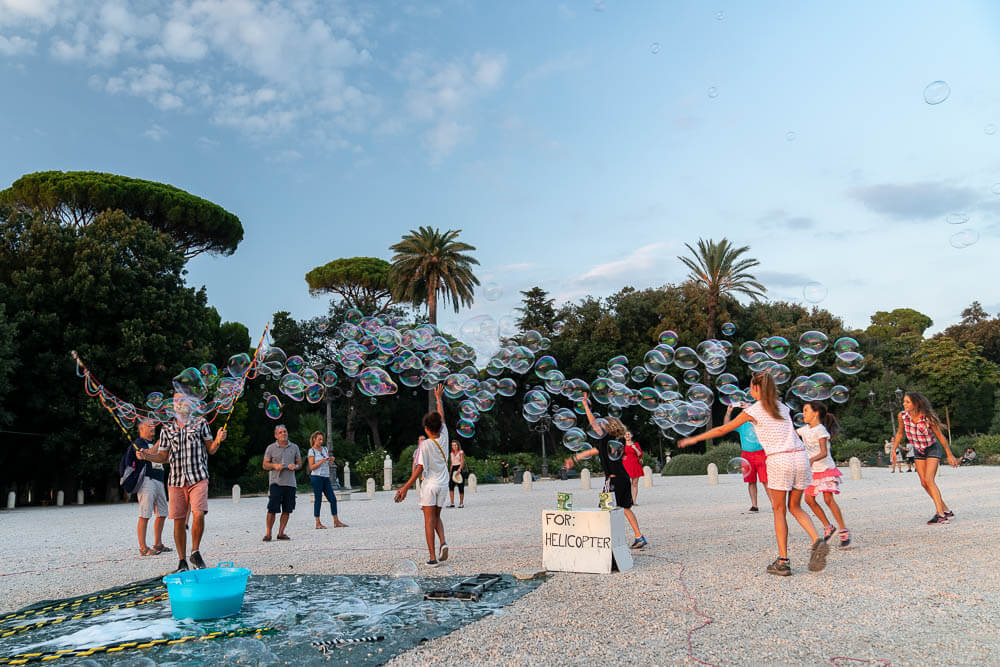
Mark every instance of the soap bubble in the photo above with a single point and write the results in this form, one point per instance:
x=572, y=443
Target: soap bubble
x=272, y=407
x=374, y=381
x=713, y=92
x=544, y=366
x=956, y=218
x=685, y=357
x=322, y=324
x=720, y=16
x=564, y=419
x=639, y=374
x=536, y=402
x=823, y=383
x=776, y=347
x=839, y=394
x=990, y=128
x=814, y=292
x=191, y=384
x=728, y=329
x=295, y=364
x=799, y=420
x=238, y=364
x=654, y=48
x=668, y=338
x=780, y=373
x=805, y=358
x=655, y=361
x=351, y=609
x=558, y=328
x=790, y=136
x=404, y=568
x=615, y=449
x=273, y=359
x=154, y=400
x=575, y=440
x=353, y=316
x=506, y=387
x=749, y=349
x=466, y=428
x=964, y=238
x=845, y=344
x=315, y=392
x=691, y=376
x=936, y=92
x=813, y=342
x=492, y=291
x=995, y=189
x=738, y=466
x=699, y=392
x=850, y=363
x=404, y=587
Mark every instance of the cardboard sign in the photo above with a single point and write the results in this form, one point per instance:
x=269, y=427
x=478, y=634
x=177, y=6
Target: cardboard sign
x=585, y=540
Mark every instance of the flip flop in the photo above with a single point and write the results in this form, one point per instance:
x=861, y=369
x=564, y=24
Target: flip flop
x=284, y=537
x=321, y=527
x=161, y=549
x=148, y=551
x=267, y=538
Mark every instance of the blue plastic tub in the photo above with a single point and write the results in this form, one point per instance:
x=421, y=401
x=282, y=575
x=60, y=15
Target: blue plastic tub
x=210, y=593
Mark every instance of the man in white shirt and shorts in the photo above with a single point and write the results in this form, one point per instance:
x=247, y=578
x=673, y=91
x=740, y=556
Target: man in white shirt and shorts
x=432, y=464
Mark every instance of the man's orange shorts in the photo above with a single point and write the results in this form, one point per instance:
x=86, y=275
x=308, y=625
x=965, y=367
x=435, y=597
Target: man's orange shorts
x=186, y=498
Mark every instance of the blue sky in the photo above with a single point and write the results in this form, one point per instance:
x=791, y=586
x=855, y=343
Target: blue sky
x=578, y=145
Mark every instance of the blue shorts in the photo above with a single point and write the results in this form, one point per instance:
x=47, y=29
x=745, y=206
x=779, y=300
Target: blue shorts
x=932, y=452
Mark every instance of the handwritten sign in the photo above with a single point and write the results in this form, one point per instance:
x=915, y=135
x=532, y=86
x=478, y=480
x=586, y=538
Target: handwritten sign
x=584, y=541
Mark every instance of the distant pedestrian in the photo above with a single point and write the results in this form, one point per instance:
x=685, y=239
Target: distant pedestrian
x=923, y=428
x=752, y=452
x=433, y=466
x=319, y=476
x=820, y=427
x=186, y=441
x=152, y=494
x=788, y=470
x=281, y=460
x=632, y=460
x=909, y=456
x=457, y=478
x=505, y=471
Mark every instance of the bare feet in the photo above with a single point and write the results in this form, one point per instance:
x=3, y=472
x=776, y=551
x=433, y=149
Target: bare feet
x=337, y=523
x=320, y=526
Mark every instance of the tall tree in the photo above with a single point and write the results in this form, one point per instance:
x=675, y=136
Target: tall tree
x=75, y=198
x=429, y=263
x=720, y=269
x=362, y=282
x=974, y=314
x=537, y=312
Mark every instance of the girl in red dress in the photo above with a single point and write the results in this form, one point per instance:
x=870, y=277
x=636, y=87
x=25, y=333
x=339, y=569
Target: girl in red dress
x=632, y=461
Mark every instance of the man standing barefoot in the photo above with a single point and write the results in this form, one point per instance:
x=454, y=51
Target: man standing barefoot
x=433, y=465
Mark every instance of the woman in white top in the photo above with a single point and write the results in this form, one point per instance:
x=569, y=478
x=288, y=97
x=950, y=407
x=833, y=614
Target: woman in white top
x=319, y=475
x=788, y=471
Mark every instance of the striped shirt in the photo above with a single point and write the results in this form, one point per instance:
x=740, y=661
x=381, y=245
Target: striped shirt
x=188, y=453
x=918, y=432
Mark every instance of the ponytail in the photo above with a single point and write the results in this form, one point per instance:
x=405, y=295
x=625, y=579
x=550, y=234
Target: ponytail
x=826, y=418
x=768, y=393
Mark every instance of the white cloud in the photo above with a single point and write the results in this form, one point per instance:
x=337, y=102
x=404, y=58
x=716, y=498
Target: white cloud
x=443, y=138
x=15, y=46
x=640, y=259
x=156, y=133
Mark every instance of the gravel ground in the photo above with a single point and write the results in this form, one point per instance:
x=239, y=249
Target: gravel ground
x=904, y=593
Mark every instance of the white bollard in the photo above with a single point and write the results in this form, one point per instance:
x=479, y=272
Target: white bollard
x=79, y=496
x=647, y=477
x=855, y=468
x=526, y=480
x=11, y=497
x=713, y=473
x=585, y=478
x=370, y=487
x=387, y=474
x=60, y=499
x=236, y=493
x=473, y=482
x=347, y=476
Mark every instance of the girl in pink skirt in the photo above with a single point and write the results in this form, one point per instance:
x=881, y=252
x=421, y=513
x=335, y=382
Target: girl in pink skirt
x=820, y=427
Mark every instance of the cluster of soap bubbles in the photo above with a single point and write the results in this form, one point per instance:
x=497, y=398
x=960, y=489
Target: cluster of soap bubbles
x=966, y=237
x=202, y=391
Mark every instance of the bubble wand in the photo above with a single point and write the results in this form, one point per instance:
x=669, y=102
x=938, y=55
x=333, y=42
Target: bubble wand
x=246, y=373
x=100, y=391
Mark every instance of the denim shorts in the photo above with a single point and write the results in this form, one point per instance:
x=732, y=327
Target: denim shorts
x=932, y=452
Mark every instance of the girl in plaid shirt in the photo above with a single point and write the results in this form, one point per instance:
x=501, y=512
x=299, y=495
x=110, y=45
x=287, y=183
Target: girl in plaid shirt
x=923, y=430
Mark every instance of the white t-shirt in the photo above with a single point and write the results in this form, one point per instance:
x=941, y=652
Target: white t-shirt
x=775, y=435
x=811, y=436
x=435, y=459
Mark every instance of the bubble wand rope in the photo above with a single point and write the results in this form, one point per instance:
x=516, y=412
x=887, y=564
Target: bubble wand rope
x=86, y=375
x=243, y=380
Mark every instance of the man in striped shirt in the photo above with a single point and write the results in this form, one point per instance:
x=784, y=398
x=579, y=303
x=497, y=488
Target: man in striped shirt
x=185, y=443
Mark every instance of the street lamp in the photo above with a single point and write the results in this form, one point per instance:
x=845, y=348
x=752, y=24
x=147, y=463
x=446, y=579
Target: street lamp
x=542, y=426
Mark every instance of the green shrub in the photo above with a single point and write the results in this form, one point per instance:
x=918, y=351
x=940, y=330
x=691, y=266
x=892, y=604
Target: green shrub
x=845, y=448
x=483, y=469
x=986, y=445
x=370, y=465
x=403, y=468
x=685, y=464
x=721, y=455
x=963, y=442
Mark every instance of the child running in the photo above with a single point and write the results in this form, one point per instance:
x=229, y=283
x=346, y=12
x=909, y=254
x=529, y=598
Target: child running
x=433, y=465
x=616, y=479
x=921, y=425
x=787, y=468
x=820, y=427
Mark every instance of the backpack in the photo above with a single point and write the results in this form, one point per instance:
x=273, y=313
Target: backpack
x=131, y=471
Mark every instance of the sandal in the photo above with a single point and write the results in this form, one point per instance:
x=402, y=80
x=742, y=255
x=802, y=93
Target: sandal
x=320, y=527
x=161, y=549
x=148, y=551
x=284, y=537
x=340, y=524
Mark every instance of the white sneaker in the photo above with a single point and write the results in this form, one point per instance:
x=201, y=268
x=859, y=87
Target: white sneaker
x=461, y=505
x=443, y=554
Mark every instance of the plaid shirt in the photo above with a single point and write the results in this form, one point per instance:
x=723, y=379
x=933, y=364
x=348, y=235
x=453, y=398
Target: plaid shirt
x=918, y=432
x=188, y=453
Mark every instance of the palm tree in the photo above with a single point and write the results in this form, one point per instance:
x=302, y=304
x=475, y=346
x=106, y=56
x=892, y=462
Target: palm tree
x=719, y=269
x=428, y=262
